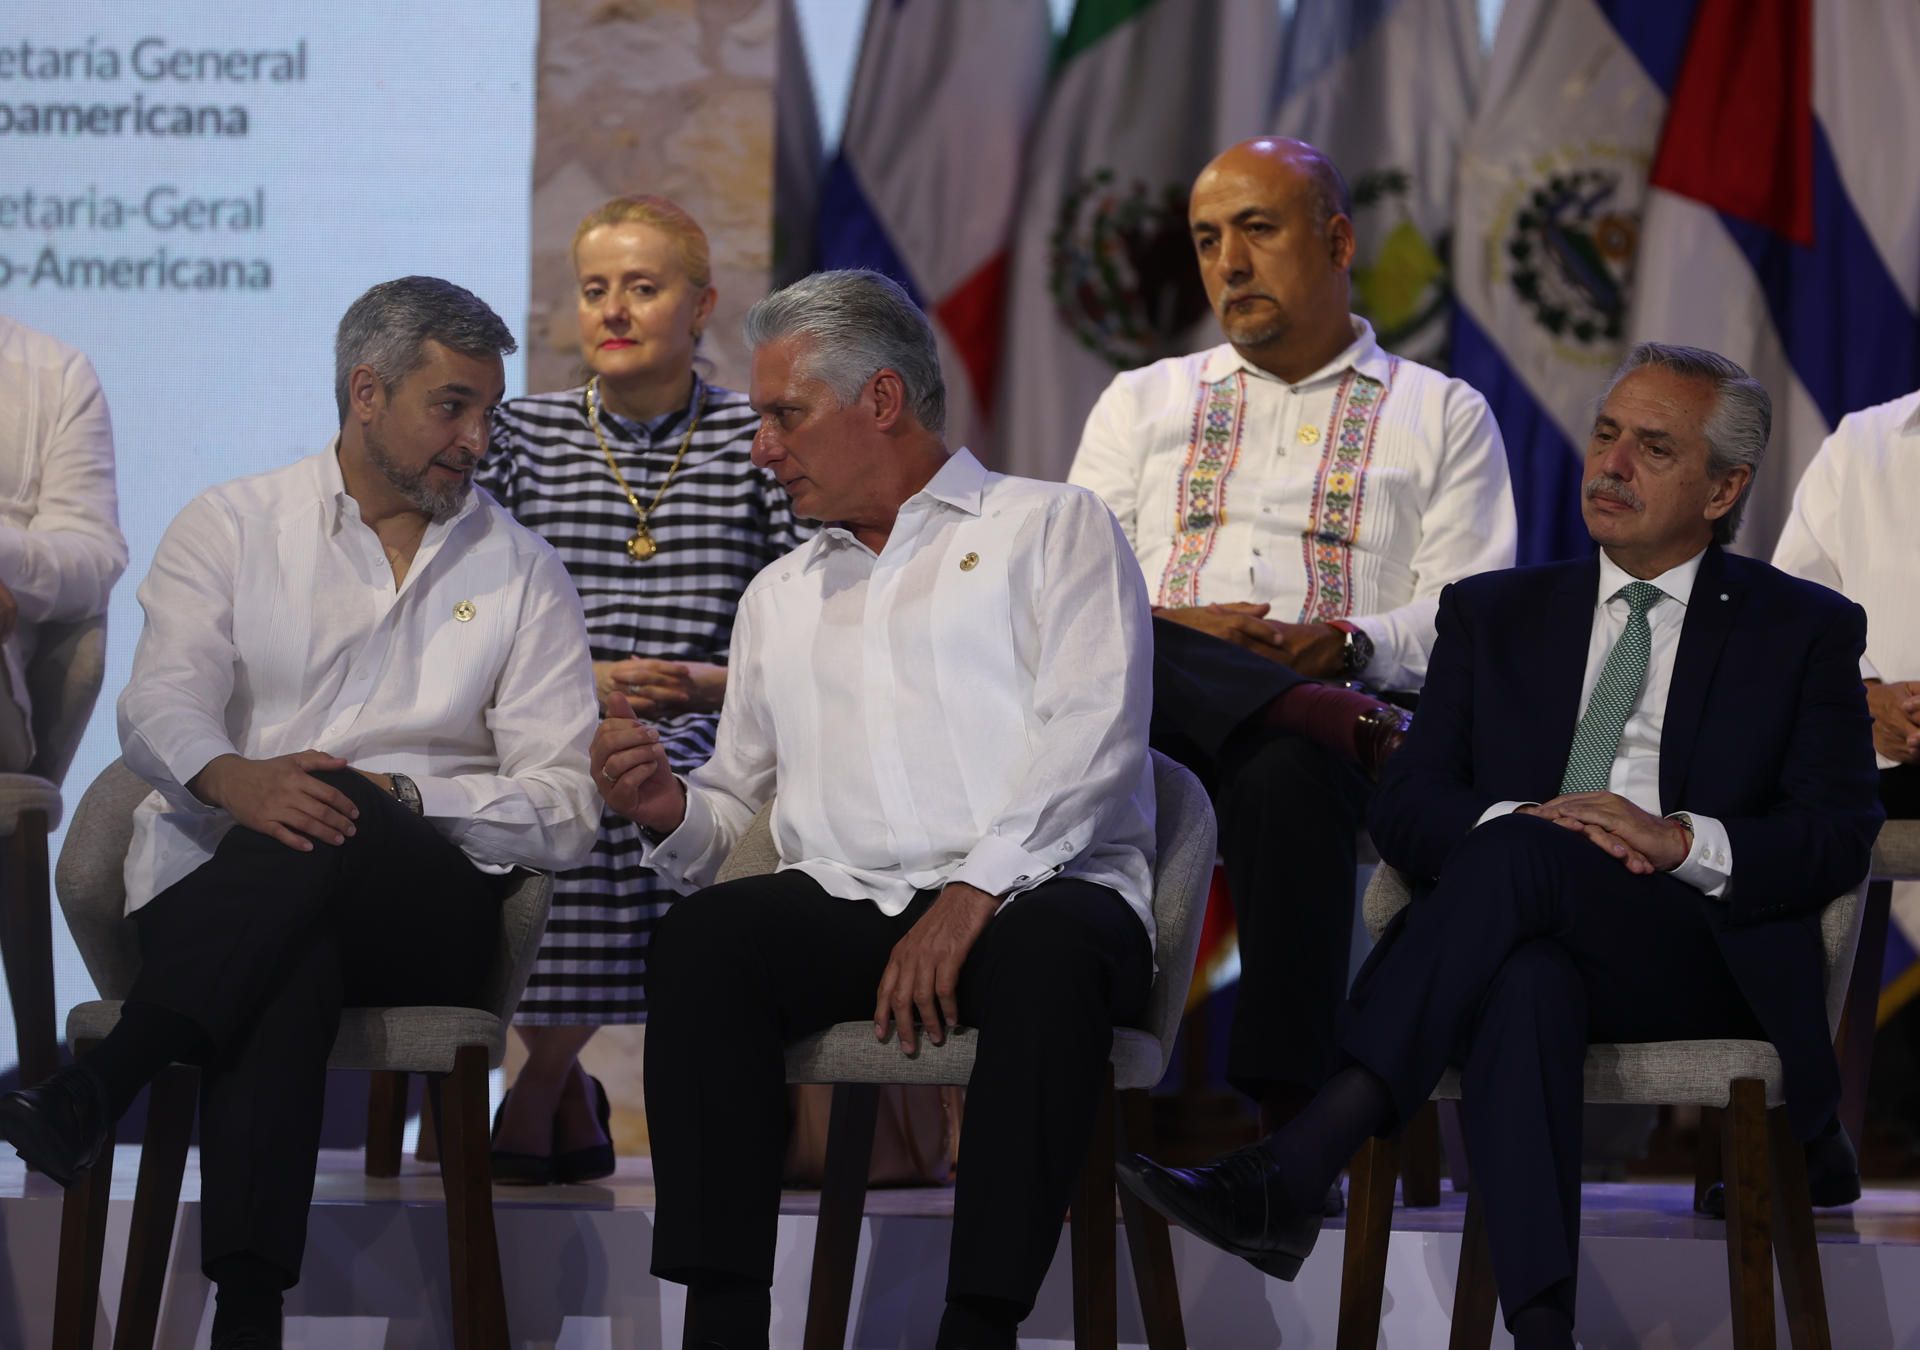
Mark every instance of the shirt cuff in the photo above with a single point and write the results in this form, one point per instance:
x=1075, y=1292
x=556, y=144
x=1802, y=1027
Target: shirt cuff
x=1500, y=809
x=1868, y=671
x=185, y=763
x=1000, y=867
x=672, y=853
x=442, y=798
x=1708, y=866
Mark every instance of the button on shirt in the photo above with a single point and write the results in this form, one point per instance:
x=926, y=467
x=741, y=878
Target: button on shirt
x=1635, y=774
x=1852, y=528
x=274, y=625
x=968, y=705
x=1431, y=503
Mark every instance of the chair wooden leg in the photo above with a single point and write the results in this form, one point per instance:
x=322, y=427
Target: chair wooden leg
x=1707, y=1171
x=426, y=1148
x=843, y=1200
x=1420, y=1159
x=1095, y=1287
x=1794, y=1246
x=26, y=945
x=171, y=1104
x=1363, y=1277
x=1453, y=1147
x=1744, y=1155
x=386, y=1123
x=83, y=1239
x=1148, y=1242
x=1474, y=1293
x=473, y=1248
x=1861, y=1014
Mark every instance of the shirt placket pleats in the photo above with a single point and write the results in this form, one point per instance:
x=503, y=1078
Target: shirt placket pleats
x=886, y=731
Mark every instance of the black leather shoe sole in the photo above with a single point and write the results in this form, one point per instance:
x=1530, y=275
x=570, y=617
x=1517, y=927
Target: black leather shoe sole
x=43, y=1147
x=1281, y=1256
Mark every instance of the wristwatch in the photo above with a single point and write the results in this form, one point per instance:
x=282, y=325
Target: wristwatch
x=1356, y=654
x=406, y=793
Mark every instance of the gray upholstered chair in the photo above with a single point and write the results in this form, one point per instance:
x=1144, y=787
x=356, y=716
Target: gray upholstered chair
x=1896, y=857
x=455, y=1047
x=63, y=680
x=1769, y=1214
x=848, y=1057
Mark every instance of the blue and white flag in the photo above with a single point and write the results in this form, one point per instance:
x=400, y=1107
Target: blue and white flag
x=1386, y=89
x=1552, y=184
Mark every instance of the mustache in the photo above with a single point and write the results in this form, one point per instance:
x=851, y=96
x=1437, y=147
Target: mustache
x=1613, y=489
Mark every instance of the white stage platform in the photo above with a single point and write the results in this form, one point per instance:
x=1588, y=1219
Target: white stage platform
x=575, y=1260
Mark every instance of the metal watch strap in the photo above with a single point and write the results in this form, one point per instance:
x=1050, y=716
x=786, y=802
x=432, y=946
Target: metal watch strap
x=406, y=793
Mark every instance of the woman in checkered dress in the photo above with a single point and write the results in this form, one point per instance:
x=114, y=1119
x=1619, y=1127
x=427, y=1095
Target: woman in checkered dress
x=659, y=598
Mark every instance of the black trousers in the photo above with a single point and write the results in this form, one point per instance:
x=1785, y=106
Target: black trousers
x=742, y=970
x=260, y=947
x=1289, y=812
x=1533, y=944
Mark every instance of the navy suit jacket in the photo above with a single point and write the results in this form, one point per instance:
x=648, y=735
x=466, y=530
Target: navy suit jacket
x=1766, y=729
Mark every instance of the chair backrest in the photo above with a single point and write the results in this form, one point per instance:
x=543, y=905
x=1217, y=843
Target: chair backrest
x=90, y=881
x=523, y=922
x=63, y=681
x=1896, y=853
x=1184, y=836
x=1388, y=894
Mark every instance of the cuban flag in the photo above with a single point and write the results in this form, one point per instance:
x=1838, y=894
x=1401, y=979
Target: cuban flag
x=926, y=182
x=1782, y=227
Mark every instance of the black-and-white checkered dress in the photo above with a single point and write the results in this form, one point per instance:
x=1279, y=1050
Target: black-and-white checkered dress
x=719, y=523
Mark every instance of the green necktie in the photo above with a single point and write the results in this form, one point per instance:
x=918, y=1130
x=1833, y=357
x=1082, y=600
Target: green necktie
x=1597, y=739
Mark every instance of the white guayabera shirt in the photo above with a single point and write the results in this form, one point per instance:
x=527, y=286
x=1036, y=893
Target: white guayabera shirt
x=274, y=625
x=969, y=705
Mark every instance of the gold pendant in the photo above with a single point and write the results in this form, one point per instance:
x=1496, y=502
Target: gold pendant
x=641, y=546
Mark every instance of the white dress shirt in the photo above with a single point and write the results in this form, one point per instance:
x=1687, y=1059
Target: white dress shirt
x=1635, y=774
x=274, y=626
x=968, y=705
x=1433, y=501
x=61, y=548
x=1852, y=528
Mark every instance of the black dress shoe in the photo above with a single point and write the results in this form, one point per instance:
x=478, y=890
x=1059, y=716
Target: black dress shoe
x=1833, y=1177
x=517, y=1169
x=60, y=1126
x=595, y=1162
x=1234, y=1204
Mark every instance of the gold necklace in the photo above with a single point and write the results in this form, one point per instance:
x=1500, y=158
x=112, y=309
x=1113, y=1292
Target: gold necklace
x=642, y=546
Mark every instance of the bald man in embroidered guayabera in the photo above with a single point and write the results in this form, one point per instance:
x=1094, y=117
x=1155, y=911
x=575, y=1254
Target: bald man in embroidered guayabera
x=1297, y=498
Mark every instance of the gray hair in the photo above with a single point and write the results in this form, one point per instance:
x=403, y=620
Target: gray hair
x=857, y=323
x=390, y=326
x=1736, y=429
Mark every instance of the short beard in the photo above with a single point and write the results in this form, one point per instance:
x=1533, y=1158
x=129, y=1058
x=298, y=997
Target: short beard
x=1255, y=334
x=438, y=503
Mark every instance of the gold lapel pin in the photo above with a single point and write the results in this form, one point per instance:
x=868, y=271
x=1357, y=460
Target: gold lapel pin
x=1309, y=434
x=464, y=611
x=971, y=561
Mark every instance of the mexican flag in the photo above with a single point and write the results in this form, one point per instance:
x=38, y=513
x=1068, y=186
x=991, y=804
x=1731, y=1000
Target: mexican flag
x=1143, y=94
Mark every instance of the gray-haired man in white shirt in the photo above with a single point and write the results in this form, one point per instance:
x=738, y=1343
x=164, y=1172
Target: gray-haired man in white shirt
x=946, y=694
x=347, y=701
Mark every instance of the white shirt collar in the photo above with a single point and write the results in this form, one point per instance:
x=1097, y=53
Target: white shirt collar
x=961, y=483
x=1363, y=354
x=1676, y=582
x=333, y=491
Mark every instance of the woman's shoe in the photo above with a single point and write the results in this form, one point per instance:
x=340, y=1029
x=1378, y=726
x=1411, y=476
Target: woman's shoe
x=519, y=1169
x=594, y=1163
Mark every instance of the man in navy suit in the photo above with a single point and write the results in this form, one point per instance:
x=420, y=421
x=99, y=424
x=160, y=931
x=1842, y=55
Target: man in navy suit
x=1634, y=783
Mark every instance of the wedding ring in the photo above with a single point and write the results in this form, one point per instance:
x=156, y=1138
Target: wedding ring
x=633, y=689
x=606, y=772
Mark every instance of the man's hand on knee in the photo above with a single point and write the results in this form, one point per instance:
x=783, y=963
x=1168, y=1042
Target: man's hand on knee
x=1644, y=843
x=923, y=975
x=280, y=797
x=1242, y=623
